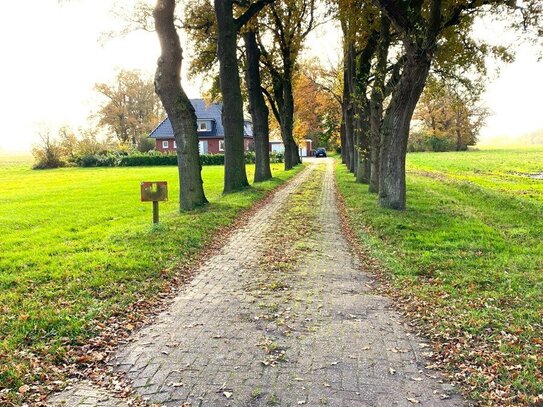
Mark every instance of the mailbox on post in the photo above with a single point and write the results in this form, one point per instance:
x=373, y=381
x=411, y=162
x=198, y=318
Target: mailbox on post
x=154, y=192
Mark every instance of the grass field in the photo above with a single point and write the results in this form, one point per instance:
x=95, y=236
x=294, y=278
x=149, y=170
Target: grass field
x=466, y=259
x=77, y=246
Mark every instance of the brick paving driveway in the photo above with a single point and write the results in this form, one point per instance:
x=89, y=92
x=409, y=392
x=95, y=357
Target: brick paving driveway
x=345, y=347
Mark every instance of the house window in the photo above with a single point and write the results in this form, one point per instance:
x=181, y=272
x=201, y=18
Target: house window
x=165, y=144
x=174, y=144
x=202, y=126
x=247, y=129
x=221, y=145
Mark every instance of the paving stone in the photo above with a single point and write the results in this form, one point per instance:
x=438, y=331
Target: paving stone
x=340, y=352
x=85, y=394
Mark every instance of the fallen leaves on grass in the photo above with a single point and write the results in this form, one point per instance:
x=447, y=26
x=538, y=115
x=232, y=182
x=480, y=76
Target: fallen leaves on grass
x=48, y=373
x=476, y=362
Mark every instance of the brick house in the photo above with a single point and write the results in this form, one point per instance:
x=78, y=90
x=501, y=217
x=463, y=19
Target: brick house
x=210, y=130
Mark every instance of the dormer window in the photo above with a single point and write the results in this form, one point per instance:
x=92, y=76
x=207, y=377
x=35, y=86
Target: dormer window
x=203, y=126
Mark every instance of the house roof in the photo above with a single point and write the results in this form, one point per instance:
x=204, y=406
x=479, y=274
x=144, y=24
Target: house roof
x=204, y=111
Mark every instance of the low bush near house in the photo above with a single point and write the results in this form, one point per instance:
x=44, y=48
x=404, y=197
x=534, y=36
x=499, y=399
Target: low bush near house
x=154, y=158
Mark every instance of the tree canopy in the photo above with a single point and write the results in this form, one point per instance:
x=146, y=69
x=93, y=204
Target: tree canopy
x=131, y=109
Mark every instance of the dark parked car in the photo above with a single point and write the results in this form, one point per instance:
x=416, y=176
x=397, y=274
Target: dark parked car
x=320, y=152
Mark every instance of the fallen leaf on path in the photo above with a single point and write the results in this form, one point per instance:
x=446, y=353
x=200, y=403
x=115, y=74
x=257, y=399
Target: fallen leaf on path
x=24, y=389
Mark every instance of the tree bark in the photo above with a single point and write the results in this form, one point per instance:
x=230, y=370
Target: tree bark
x=342, y=136
x=178, y=107
x=360, y=86
x=292, y=156
x=258, y=109
x=395, y=130
x=283, y=100
x=376, y=103
x=235, y=175
x=348, y=113
x=458, y=139
x=376, y=115
x=362, y=147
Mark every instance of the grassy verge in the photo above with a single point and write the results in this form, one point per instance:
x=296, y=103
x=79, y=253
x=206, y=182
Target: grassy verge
x=78, y=247
x=466, y=262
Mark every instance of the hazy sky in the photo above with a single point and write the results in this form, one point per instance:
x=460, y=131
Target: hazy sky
x=51, y=59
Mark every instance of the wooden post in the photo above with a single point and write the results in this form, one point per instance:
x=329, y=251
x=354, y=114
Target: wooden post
x=155, y=212
x=154, y=192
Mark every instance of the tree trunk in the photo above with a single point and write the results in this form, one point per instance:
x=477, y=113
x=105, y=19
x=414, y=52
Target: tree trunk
x=458, y=139
x=376, y=103
x=349, y=129
x=292, y=156
x=258, y=109
x=363, y=167
x=342, y=137
x=348, y=113
x=235, y=176
x=375, y=142
x=361, y=75
x=178, y=107
x=395, y=130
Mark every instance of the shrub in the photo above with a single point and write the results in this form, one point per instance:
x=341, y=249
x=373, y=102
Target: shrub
x=154, y=158
x=250, y=157
x=148, y=159
x=422, y=141
x=98, y=160
x=277, y=157
x=145, y=144
x=48, y=153
x=212, y=159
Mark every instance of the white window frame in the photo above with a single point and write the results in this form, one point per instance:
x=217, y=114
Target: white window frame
x=205, y=128
x=174, y=144
x=221, y=145
x=165, y=144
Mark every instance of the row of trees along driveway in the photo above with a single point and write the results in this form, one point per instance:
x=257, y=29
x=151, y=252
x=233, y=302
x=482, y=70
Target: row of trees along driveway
x=390, y=49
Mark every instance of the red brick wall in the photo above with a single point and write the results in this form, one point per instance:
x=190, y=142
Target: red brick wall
x=212, y=145
x=249, y=144
x=158, y=145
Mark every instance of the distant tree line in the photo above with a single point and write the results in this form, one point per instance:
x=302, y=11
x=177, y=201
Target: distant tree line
x=67, y=145
x=130, y=110
x=446, y=118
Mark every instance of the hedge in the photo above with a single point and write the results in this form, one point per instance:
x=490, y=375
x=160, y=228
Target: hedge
x=154, y=159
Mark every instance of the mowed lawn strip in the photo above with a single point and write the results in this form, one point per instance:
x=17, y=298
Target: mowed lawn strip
x=468, y=256
x=77, y=245
x=505, y=171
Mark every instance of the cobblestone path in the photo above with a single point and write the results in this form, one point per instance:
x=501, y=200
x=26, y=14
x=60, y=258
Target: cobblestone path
x=345, y=345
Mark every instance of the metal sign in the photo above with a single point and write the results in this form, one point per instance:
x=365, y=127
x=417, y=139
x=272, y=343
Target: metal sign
x=154, y=191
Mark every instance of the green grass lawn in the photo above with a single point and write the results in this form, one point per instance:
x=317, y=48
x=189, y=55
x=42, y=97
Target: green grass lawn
x=468, y=253
x=77, y=245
